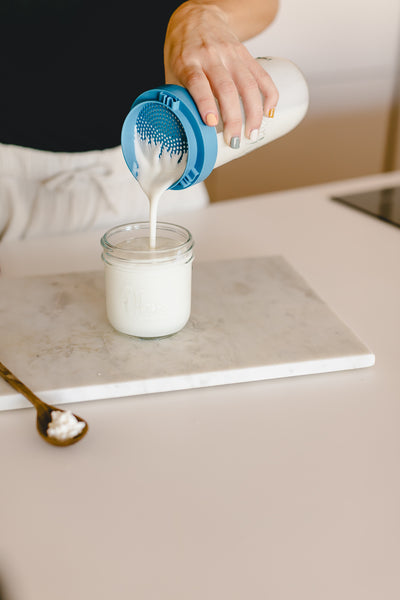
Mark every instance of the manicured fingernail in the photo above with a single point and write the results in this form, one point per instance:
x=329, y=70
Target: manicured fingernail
x=211, y=119
x=235, y=142
x=271, y=113
x=254, y=135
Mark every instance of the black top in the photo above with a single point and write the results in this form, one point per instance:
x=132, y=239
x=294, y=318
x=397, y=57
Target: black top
x=70, y=69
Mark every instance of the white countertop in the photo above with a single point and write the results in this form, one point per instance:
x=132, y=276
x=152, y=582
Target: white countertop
x=284, y=489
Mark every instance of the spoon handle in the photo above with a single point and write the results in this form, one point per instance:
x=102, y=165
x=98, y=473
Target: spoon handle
x=19, y=386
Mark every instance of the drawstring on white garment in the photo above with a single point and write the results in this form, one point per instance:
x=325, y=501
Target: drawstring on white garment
x=49, y=193
x=67, y=197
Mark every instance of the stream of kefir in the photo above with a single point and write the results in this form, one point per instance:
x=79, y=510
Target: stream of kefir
x=158, y=169
x=148, y=291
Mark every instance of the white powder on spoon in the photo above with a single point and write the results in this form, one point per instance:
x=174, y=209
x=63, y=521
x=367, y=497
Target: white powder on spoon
x=64, y=425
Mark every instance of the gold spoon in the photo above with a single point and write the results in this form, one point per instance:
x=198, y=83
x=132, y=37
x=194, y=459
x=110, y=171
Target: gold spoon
x=43, y=410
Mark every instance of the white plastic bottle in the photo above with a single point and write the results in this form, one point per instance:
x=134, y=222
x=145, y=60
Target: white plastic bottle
x=292, y=107
x=167, y=116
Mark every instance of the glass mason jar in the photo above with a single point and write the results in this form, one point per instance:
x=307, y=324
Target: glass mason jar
x=148, y=290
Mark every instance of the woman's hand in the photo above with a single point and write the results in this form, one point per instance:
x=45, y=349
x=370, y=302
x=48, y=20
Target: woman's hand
x=204, y=54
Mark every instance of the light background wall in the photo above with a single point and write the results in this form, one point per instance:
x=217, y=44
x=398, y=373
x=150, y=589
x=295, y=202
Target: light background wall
x=349, y=52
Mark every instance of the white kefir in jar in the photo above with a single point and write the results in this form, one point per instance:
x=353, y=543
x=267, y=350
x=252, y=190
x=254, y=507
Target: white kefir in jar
x=148, y=287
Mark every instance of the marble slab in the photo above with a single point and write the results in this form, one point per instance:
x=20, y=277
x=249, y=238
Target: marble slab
x=252, y=319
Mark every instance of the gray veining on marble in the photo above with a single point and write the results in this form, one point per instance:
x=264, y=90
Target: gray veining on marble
x=252, y=319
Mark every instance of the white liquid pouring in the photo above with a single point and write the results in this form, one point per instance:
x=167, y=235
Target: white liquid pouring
x=158, y=169
x=148, y=292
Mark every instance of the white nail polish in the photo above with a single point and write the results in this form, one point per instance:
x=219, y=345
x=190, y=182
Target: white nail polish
x=254, y=135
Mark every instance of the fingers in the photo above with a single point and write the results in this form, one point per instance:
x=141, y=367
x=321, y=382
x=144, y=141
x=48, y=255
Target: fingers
x=233, y=83
x=249, y=92
x=267, y=88
x=221, y=87
x=198, y=85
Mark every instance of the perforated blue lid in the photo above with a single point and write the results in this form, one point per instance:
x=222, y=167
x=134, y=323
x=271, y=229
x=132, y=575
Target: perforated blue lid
x=168, y=115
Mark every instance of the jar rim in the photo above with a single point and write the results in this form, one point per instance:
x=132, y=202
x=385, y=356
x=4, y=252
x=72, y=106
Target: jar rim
x=120, y=252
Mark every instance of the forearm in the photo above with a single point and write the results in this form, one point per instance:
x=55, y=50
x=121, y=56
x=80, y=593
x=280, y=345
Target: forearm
x=246, y=18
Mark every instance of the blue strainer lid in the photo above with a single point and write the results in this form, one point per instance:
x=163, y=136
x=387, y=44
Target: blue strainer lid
x=168, y=116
